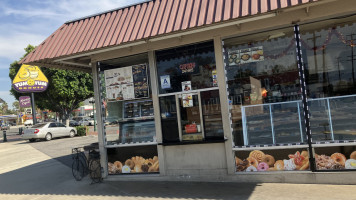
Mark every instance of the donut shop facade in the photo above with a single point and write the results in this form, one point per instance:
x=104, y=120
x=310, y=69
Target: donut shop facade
x=245, y=91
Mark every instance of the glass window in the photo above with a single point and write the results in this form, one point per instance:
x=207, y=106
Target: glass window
x=212, y=119
x=125, y=87
x=329, y=59
x=264, y=88
x=39, y=125
x=335, y=158
x=169, y=119
x=192, y=112
x=52, y=125
x=190, y=117
x=186, y=68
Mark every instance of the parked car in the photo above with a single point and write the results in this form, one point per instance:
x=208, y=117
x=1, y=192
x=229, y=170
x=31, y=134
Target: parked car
x=73, y=123
x=5, y=127
x=82, y=120
x=28, y=122
x=12, y=123
x=48, y=131
x=91, y=122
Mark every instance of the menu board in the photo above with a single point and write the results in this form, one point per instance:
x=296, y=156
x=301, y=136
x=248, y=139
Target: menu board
x=126, y=83
x=140, y=80
x=248, y=55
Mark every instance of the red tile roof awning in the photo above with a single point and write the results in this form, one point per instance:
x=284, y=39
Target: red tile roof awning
x=146, y=20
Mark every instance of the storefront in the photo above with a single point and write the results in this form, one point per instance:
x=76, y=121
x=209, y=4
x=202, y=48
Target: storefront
x=268, y=97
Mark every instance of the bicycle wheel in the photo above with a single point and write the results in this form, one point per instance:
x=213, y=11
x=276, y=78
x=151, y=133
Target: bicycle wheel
x=95, y=170
x=83, y=160
x=77, y=169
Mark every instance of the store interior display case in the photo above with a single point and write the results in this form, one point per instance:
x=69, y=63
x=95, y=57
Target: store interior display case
x=137, y=124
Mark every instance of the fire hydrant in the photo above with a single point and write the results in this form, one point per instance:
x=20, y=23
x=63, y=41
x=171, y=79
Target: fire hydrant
x=4, y=134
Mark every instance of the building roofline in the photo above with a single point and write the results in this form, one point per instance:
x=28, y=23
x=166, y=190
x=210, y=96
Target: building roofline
x=108, y=11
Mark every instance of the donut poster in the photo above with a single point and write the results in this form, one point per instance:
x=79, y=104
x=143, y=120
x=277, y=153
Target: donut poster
x=336, y=161
x=260, y=161
x=136, y=164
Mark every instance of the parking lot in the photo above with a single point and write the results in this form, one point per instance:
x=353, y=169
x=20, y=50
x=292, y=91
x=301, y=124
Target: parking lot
x=57, y=148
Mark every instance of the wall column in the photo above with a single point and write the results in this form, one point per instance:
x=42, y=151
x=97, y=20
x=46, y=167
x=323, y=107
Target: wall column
x=224, y=103
x=99, y=117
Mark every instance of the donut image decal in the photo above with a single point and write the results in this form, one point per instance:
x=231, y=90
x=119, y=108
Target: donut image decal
x=281, y=160
x=135, y=164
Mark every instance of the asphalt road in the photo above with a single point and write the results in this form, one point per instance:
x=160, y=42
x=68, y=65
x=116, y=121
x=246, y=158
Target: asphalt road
x=58, y=148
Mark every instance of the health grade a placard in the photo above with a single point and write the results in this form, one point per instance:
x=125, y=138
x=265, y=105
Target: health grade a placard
x=30, y=79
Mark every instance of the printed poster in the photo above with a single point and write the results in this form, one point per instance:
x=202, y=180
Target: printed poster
x=140, y=81
x=165, y=82
x=127, y=83
x=234, y=57
x=187, y=100
x=186, y=86
x=248, y=55
x=215, y=78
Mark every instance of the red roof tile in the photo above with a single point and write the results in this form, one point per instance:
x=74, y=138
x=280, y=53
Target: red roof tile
x=145, y=20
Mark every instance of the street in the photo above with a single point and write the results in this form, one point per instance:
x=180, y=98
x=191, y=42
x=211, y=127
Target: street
x=42, y=170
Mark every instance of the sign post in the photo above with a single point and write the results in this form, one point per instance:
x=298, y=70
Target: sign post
x=30, y=79
x=33, y=109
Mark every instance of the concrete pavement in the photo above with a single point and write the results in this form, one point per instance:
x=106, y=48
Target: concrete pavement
x=27, y=173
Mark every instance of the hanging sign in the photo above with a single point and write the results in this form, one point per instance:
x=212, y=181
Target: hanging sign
x=254, y=54
x=165, y=82
x=30, y=79
x=25, y=101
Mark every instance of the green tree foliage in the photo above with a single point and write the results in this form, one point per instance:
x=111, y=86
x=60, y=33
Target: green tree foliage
x=65, y=91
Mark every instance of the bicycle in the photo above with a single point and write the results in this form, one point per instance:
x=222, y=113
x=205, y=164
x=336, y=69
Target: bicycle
x=82, y=166
x=94, y=166
x=79, y=165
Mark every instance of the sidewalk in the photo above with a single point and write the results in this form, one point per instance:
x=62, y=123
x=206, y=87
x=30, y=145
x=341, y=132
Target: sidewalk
x=26, y=173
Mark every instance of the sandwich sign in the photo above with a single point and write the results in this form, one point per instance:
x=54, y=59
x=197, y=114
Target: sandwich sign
x=30, y=79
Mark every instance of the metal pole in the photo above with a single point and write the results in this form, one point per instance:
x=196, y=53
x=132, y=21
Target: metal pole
x=304, y=98
x=4, y=135
x=33, y=108
x=94, y=115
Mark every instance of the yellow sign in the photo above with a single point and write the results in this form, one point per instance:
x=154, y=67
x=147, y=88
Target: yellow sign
x=30, y=79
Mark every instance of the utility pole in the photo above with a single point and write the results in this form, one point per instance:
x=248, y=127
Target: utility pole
x=352, y=57
x=314, y=49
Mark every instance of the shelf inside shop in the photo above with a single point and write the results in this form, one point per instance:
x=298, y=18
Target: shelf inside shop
x=334, y=143
x=268, y=147
x=130, y=144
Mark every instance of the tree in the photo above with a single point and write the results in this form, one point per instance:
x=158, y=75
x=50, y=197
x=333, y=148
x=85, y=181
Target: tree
x=4, y=108
x=65, y=91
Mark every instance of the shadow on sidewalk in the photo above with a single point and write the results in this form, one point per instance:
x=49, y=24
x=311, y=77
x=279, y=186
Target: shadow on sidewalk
x=52, y=178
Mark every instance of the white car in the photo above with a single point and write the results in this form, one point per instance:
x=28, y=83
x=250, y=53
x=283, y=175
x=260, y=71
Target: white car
x=48, y=131
x=28, y=122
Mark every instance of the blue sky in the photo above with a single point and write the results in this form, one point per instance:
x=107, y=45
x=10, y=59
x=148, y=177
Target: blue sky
x=24, y=22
